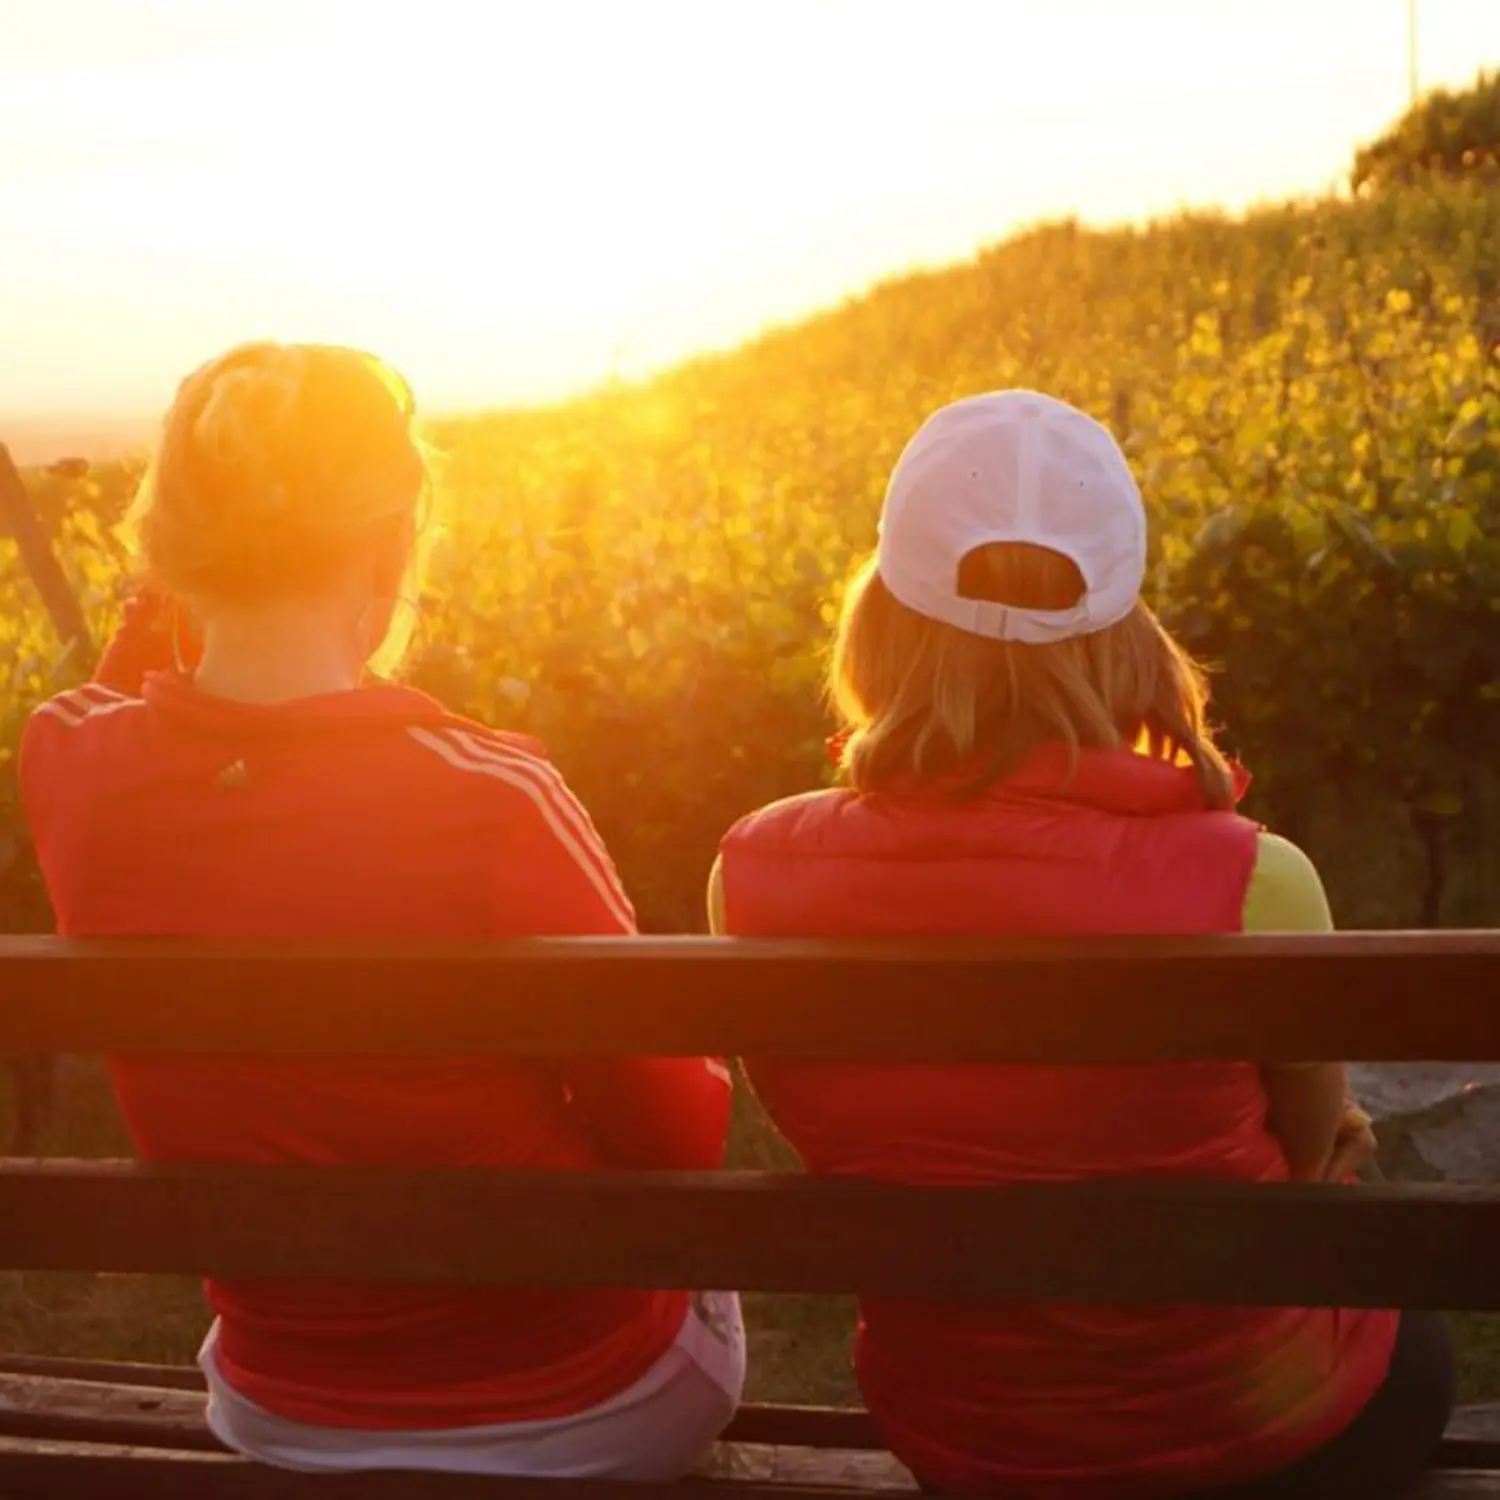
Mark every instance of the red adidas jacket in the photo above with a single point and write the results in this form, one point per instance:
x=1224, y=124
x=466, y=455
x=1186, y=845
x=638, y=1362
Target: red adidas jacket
x=160, y=811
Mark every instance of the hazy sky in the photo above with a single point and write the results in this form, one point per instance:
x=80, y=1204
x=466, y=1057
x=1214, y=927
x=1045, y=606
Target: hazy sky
x=513, y=199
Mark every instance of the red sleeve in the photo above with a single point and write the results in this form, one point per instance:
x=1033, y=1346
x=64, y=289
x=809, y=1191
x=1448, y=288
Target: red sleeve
x=553, y=877
x=654, y=1113
x=556, y=879
x=144, y=643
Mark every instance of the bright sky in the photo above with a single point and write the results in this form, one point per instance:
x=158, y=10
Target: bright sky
x=514, y=198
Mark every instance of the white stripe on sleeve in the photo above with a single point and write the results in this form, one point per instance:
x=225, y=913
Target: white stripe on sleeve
x=560, y=810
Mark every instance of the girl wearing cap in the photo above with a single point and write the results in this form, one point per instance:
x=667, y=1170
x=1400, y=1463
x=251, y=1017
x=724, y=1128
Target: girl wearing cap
x=1025, y=751
x=268, y=788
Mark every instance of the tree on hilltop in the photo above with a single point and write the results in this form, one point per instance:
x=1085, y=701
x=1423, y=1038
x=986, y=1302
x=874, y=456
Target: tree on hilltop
x=1446, y=133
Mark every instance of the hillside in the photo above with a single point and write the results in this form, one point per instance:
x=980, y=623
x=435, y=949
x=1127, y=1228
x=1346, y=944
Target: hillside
x=1309, y=396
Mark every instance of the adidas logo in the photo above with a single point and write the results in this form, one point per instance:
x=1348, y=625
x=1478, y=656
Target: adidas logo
x=235, y=774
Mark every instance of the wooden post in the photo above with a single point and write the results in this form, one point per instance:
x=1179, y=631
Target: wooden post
x=1413, y=87
x=36, y=552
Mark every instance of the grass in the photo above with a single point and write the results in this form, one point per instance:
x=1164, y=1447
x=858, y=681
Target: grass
x=1476, y=1337
x=799, y=1346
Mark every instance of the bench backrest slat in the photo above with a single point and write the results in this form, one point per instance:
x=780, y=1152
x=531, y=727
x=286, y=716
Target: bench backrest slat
x=1134, y=1242
x=1360, y=996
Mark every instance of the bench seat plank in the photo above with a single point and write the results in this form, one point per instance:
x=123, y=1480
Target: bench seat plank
x=59, y=1409
x=62, y=1471
x=174, y=1393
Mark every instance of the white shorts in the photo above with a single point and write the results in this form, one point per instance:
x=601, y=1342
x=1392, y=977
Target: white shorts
x=657, y=1429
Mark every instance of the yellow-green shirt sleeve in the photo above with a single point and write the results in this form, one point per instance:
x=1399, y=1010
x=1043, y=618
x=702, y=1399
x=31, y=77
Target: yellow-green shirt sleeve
x=716, y=898
x=1285, y=892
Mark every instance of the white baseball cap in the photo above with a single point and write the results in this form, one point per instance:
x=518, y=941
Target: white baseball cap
x=1013, y=466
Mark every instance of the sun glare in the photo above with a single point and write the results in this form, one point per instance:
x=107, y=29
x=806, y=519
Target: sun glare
x=514, y=202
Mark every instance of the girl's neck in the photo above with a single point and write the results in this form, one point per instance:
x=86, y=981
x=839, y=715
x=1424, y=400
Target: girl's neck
x=275, y=658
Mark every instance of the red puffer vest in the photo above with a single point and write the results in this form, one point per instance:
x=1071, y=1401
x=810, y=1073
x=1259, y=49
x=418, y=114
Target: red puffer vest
x=1053, y=1400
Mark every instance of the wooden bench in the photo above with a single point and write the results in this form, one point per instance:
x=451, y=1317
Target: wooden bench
x=90, y=1429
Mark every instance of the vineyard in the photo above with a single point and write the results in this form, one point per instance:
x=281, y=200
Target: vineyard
x=644, y=579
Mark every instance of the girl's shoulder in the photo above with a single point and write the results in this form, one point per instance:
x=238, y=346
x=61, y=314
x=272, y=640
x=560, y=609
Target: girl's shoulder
x=790, y=818
x=1285, y=893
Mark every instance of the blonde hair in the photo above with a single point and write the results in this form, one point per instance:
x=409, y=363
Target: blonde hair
x=923, y=702
x=277, y=466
